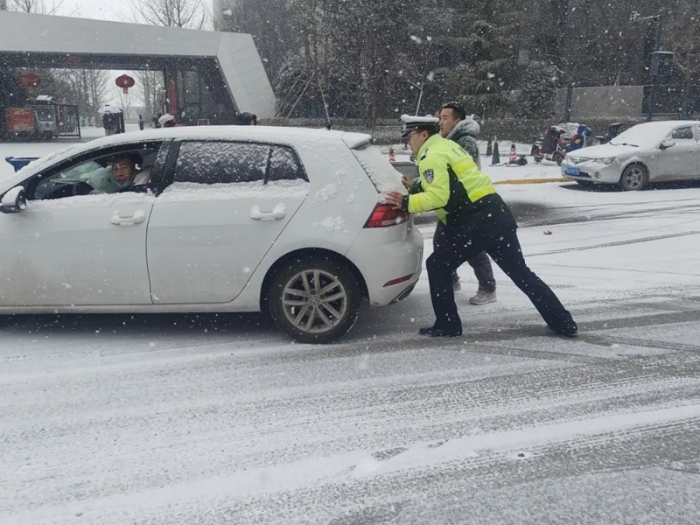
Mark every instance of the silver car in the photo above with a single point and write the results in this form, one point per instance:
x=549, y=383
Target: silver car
x=650, y=152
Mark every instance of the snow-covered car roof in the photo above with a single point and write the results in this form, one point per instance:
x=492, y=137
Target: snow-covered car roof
x=665, y=125
x=649, y=134
x=302, y=138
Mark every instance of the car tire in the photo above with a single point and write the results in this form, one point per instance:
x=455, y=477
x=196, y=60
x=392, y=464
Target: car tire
x=314, y=299
x=634, y=177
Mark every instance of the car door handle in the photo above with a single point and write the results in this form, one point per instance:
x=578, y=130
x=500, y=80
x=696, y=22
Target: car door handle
x=136, y=218
x=279, y=213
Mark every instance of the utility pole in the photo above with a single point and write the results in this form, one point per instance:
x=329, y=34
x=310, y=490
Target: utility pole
x=655, y=47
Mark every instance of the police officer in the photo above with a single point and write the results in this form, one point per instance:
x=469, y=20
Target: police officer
x=476, y=219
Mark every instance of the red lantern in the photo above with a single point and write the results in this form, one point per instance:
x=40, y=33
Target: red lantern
x=125, y=82
x=29, y=80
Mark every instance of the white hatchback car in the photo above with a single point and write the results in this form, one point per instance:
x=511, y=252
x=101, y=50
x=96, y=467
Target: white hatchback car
x=230, y=219
x=650, y=152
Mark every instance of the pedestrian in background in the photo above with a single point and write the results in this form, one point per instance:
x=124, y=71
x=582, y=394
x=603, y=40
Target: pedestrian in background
x=246, y=119
x=457, y=126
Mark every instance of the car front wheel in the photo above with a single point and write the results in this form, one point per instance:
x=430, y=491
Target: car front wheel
x=314, y=300
x=634, y=178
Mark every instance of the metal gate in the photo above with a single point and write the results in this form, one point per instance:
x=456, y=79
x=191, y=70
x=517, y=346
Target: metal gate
x=67, y=121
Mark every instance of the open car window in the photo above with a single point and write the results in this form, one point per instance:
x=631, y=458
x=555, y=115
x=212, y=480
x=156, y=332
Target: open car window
x=91, y=176
x=97, y=176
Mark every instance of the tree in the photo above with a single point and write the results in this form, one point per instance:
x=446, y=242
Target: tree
x=268, y=23
x=539, y=83
x=189, y=14
x=345, y=56
x=151, y=88
x=41, y=7
x=482, y=44
x=125, y=101
x=686, y=44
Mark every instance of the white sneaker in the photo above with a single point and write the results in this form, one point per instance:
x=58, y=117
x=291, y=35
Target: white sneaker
x=456, y=286
x=483, y=297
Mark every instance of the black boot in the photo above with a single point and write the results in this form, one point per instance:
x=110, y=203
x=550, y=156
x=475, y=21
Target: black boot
x=568, y=328
x=433, y=331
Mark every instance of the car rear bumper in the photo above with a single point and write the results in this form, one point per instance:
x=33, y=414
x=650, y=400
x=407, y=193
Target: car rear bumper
x=390, y=260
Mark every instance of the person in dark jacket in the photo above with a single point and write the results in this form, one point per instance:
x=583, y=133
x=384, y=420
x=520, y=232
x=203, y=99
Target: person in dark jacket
x=458, y=127
x=246, y=119
x=551, y=140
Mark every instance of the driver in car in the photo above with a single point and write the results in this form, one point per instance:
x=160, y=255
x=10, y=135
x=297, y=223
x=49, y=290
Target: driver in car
x=124, y=176
x=123, y=172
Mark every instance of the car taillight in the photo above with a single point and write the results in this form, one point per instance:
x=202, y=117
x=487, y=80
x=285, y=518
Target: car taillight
x=399, y=280
x=384, y=215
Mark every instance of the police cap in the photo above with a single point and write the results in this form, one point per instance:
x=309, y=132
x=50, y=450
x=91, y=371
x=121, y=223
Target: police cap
x=415, y=123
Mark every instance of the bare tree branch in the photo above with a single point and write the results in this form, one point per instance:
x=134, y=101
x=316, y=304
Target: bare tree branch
x=40, y=7
x=188, y=14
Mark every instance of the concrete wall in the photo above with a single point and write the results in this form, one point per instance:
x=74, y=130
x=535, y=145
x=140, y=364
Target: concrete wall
x=619, y=102
x=608, y=101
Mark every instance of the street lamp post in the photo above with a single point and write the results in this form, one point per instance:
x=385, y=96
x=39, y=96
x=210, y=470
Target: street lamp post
x=420, y=95
x=657, y=43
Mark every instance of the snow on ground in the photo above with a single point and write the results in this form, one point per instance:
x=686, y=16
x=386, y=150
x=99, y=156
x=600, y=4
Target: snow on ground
x=219, y=419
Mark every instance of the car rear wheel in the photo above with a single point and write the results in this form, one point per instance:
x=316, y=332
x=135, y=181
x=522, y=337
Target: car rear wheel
x=315, y=300
x=634, y=178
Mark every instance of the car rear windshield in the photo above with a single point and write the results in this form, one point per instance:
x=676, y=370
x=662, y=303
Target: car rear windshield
x=377, y=166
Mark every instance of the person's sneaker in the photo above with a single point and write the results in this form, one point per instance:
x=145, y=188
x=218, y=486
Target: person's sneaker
x=483, y=297
x=440, y=332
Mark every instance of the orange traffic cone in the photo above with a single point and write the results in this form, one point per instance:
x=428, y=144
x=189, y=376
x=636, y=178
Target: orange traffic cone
x=392, y=157
x=513, y=155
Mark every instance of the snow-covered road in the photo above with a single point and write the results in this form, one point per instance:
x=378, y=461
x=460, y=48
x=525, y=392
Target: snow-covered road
x=220, y=420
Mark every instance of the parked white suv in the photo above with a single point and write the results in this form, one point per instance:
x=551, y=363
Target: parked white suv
x=230, y=219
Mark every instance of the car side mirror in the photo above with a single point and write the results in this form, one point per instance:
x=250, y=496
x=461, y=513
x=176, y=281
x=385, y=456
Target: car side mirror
x=14, y=201
x=667, y=144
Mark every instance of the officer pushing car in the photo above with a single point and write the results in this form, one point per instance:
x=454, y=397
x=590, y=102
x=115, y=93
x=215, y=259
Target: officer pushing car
x=476, y=219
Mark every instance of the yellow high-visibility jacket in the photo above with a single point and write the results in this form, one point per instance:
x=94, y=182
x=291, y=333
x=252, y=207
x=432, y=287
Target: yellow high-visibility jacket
x=450, y=182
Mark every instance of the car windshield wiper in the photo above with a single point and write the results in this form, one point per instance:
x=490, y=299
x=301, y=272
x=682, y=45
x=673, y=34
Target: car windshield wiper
x=623, y=144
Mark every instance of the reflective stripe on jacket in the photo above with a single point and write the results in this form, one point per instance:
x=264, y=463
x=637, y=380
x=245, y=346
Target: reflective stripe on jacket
x=450, y=182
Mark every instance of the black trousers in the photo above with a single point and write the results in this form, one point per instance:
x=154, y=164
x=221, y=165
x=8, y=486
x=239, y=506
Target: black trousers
x=480, y=263
x=461, y=243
